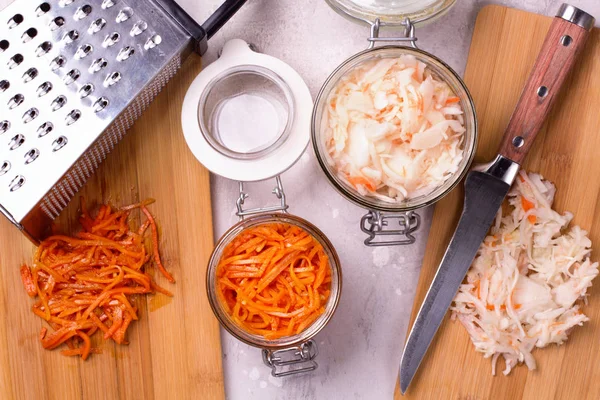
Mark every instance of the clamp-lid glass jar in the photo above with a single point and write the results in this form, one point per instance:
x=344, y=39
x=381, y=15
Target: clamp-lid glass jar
x=246, y=117
x=382, y=212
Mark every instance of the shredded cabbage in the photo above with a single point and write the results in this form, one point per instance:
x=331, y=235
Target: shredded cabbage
x=525, y=287
x=393, y=130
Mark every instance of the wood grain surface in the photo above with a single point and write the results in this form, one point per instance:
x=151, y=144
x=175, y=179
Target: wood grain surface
x=503, y=50
x=174, y=350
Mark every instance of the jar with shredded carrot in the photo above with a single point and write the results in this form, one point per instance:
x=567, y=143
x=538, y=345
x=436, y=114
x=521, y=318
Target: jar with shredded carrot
x=274, y=280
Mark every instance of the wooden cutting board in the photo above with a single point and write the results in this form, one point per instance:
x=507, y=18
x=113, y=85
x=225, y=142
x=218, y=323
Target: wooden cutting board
x=174, y=350
x=504, y=47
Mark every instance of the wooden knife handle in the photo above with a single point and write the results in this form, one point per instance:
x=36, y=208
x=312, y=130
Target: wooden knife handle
x=563, y=44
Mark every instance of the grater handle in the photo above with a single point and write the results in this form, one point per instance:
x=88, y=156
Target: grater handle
x=186, y=22
x=221, y=16
x=199, y=33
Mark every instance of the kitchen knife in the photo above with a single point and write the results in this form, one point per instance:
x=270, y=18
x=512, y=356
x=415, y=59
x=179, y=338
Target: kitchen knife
x=486, y=185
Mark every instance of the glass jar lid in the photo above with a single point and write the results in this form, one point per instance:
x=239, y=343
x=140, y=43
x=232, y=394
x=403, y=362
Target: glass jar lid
x=247, y=115
x=391, y=12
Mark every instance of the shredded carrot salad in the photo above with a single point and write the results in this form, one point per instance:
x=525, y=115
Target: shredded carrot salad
x=85, y=283
x=274, y=280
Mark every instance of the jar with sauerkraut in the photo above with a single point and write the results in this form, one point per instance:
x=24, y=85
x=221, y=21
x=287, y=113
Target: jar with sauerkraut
x=394, y=130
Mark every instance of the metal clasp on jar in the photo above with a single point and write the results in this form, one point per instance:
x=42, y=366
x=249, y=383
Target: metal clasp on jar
x=292, y=360
x=277, y=191
x=409, y=34
x=374, y=223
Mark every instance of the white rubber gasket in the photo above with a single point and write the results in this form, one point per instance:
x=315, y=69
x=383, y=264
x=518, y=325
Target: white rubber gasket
x=236, y=53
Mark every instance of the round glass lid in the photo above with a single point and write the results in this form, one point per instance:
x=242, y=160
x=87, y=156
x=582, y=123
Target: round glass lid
x=391, y=12
x=246, y=112
x=247, y=115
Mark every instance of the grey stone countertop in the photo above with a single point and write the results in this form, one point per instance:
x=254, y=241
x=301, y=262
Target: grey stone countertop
x=360, y=349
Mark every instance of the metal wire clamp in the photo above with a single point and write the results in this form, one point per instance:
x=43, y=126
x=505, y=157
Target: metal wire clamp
x=277, y=191
x=292, y=360
x=409, y=34
x=374, y=222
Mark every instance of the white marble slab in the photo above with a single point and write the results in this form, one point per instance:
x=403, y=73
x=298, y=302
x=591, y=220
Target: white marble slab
x=360, y=349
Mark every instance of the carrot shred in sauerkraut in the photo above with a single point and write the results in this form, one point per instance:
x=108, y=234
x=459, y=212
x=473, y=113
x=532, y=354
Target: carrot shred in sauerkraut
x=84, y=283
x=274, y=280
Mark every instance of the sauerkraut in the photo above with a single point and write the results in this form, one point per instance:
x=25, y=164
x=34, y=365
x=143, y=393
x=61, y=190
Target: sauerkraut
x=393, y=130
x=529, y=279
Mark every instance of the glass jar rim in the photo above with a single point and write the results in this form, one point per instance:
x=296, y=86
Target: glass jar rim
x=287, y=341
x=256, y=70
x=417, y=17
x=368, y=202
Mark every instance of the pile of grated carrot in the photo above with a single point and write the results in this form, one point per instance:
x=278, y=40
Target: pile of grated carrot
x=274, y=280
x=85, y=283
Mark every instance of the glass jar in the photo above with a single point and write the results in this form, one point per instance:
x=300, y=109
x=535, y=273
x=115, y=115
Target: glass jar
x=300, y=347
x=251, y=123
x=377, y=221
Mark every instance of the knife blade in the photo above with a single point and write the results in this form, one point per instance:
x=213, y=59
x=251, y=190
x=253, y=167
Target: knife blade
x=486, y=185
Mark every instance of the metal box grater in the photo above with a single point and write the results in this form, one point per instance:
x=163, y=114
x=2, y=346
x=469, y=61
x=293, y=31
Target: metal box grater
x=74, y=75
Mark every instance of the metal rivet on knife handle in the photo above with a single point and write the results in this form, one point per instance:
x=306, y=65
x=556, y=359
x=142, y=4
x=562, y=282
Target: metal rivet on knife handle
x=544, y=83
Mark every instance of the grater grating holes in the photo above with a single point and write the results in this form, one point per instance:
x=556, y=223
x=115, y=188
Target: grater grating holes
x=154, y=41
x=43, y=89
x=107, y=4
x=111, y=39
x=42, y=9
x=98, y=65
x=97, y=26
x=86, y=90
x=15, y=61
x=72, y=117
x=43, y=48
x=112, y=78
x=82, y=12
x=124, y=15
x=59, y=143
x=57, y=23
x=70, y=36
x=4, y=126
x=83, y=51
x=30, y=75
x=16, y=20
x=45, y=129
x=30, y=115
x=4, y=45
x=4, y=167
x=58, y=62
x=29, y=34
x=17, y=183
x=4, y=85
x=100, y=104
x=16, y=101
x=31, y=156
x=58, y=103
x=64, y=3
x=138, y=28
x=71, y=76
x=125, y=53
x=16, y=142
